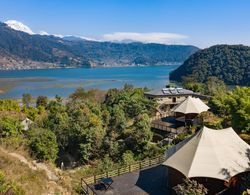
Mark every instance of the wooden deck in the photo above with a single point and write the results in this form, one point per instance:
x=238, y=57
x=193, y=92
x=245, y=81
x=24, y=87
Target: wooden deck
x=167, y=124
x=143, y=182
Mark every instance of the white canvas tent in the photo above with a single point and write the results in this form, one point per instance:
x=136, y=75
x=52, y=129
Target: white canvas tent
x=191, y=105
x=219, y=154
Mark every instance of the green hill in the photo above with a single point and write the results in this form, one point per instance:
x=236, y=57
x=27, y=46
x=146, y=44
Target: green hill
x=230, y=63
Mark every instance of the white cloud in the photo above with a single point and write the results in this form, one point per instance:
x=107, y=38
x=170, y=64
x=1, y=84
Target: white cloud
x=163, y=38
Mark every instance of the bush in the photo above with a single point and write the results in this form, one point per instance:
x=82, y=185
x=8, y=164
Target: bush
x=41, y=101
x=190, y=187
x=128, y=158
x=5, y=186
x=9, y=127
x=234, y=107
x=180, y=137
x=43, y=144
x=9, y=105
x=106, y=164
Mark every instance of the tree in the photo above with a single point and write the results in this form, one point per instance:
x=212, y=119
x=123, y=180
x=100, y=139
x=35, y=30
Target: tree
x=234, y=107
x=118, y=119
x=58, y=99
x=80, y=93
x=9, y=105
x=128, y=158
x=141, y=134
x=26, y=99
x=87, y=130
x=191, y=83
x=215, y=86
x=239, y=107
x=31, y=112
x=194, y=86
x=9, y=127
x=58, y=121
x=42, y=143
x=190, y=187
x=41, y=101
x=106, y=164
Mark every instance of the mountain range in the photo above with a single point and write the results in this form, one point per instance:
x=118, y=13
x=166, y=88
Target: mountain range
x=20, y=48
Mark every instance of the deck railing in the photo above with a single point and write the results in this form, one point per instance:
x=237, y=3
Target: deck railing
x=87, y=189
x=164, y=127
x=122, y=170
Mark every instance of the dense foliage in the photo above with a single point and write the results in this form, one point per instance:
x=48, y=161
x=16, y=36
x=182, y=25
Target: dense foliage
x=213, y=86
x=234, y=107
x=89, y=126
x=9, y=126
x=21, y=48
x=43, y=143
x=230, y=63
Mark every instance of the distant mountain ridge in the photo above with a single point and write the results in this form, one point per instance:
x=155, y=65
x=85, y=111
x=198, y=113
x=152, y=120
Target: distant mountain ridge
x=230, y=63
x=20, y=50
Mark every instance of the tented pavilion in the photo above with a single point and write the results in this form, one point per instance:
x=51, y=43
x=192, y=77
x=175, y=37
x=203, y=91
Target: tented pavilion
x=188, y=109
x=214, y=158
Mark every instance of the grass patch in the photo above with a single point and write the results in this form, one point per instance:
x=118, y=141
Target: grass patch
x=31, y=181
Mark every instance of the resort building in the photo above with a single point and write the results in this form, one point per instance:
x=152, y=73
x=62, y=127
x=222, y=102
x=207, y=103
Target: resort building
x=169, y=96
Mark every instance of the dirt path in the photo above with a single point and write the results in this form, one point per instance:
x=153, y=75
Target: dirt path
x=53, y=185
x=33, y=165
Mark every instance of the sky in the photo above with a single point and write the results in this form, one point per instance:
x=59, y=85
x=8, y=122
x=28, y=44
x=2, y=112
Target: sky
x=202, y=23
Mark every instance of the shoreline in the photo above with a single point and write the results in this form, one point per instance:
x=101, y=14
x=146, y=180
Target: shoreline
x=93, y=67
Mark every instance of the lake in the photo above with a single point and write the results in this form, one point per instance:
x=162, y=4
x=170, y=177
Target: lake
x=51, y=82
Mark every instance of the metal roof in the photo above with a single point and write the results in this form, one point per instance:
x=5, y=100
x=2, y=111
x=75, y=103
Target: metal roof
x=169, y=91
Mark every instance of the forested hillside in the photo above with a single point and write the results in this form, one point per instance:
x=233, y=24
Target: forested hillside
x=19, y=50
x=230, y=63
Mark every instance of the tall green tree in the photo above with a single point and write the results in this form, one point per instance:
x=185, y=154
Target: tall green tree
x=43, y=144
x=26, y=99
x=9, y=105
x=141, y=134
x=41, y=101
x=80, y=93
x=215, y=86
x=234, y=107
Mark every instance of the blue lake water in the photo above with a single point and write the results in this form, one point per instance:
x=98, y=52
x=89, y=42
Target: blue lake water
x=51, y=82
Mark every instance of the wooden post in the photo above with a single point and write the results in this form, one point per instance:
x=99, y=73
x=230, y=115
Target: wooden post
x=94, y=178
x=107, y=174
x=118, y=171
x=129, y=167
x=140, y=165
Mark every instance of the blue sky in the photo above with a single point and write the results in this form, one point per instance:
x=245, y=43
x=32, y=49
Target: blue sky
x=198, y=22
